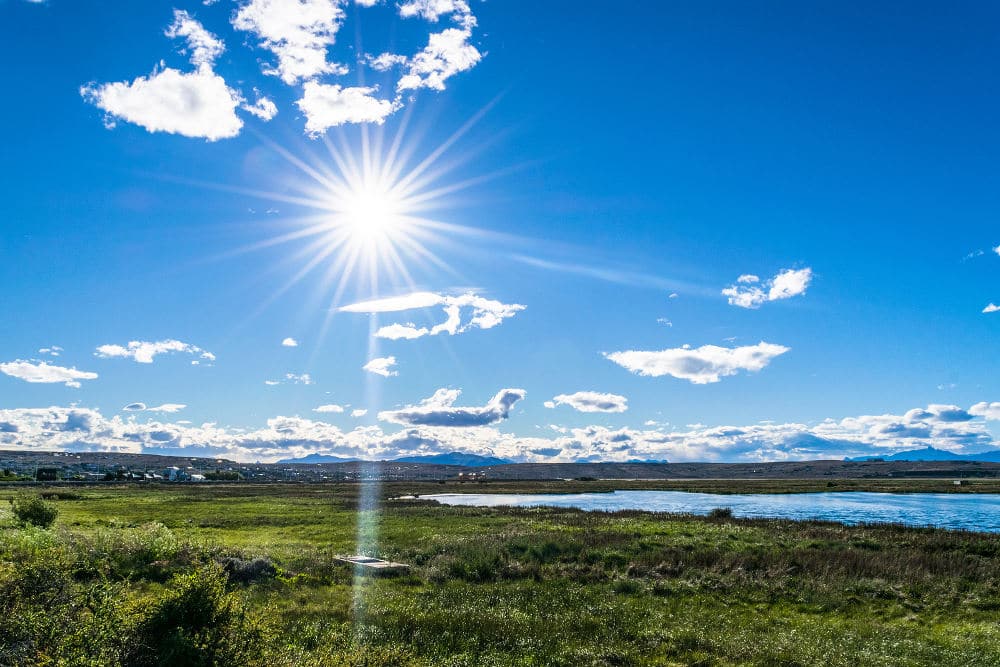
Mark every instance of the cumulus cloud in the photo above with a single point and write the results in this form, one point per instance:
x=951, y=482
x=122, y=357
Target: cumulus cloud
x=991, y=308
x=381, y=366
x=83, y=429
x=749, y=293
x=439, y=410
x=53, y=351
x=447, y=53
x=988, y=411
x=359, y=412
x=330, y=105
x=166, y=407
x=701, y=365
x=290, y=342
x=192, y=104
x=143, y=351
x=465, y=312
x=45, y=373
x=330, y=407
x=591, y=401
x=297, y=32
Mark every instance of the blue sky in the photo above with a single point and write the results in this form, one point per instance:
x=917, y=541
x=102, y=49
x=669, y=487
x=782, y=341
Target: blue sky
x=680, y=231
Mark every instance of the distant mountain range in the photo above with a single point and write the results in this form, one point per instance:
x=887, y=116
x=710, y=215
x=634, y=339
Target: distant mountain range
x=456, y=459
x=319, y=458
x=932, y=454
x=447, y=459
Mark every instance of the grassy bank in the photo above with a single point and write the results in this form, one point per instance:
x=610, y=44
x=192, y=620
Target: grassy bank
x=127, y=574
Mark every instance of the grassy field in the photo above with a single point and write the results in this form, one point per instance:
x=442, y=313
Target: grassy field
x=130, y=575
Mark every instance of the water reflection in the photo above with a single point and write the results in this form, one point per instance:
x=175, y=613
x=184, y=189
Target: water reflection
x=967, y=511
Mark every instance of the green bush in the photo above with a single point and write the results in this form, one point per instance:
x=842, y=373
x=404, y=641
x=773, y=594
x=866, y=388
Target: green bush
x=197, y=623
x=32, y=510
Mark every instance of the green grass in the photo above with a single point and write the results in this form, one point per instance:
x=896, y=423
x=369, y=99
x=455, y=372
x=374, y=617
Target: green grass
x=503, y=586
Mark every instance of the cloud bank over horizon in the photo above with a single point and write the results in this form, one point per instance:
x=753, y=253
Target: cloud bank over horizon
x=436, y=426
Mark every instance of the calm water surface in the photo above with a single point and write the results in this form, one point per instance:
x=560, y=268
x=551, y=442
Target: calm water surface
x=968, y=511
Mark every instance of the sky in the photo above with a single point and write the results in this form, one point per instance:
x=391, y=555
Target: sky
x=262, y=229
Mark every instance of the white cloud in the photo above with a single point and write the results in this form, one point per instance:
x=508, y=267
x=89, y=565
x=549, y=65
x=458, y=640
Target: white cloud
x=330, y=407
x=591, y=401
x=203, y=47
x=143, y=351
x=439, y=410
x=432, y=10
x=298, y=32
x=290, y=342
x=194, y=104
x=385, y=61
x=786, y=284
x=447, y=53
x=43, y=372
x=997, y=250
x=166, y=407
x=262, y=107
x=83, y=429
x=481, y=313
x=327, y=106
x=53, y=351
x=701, y=365
x=359, y=412
x=291, y=378
x=991, y=308
x=381, y=366
x=989, y=411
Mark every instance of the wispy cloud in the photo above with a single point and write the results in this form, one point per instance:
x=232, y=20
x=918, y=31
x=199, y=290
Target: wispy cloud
x=701, y=365
x=329, y=407
x=166, y=407
x=291, y=378
x=591, y=401
x=45, y=373
x=465, y=312
x=143, y=352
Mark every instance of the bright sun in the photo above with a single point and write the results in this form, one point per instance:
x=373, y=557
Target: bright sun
x=371, y=212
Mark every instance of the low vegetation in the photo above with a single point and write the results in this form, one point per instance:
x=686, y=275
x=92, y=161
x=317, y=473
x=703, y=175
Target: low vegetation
x=245, y=575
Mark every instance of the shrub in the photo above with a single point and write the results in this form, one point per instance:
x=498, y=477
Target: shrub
x=721, y=513
x=248, y=571
x=197, y=623
x=32, y=510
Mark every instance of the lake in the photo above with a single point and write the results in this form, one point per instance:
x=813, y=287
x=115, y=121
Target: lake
x=966, y=511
